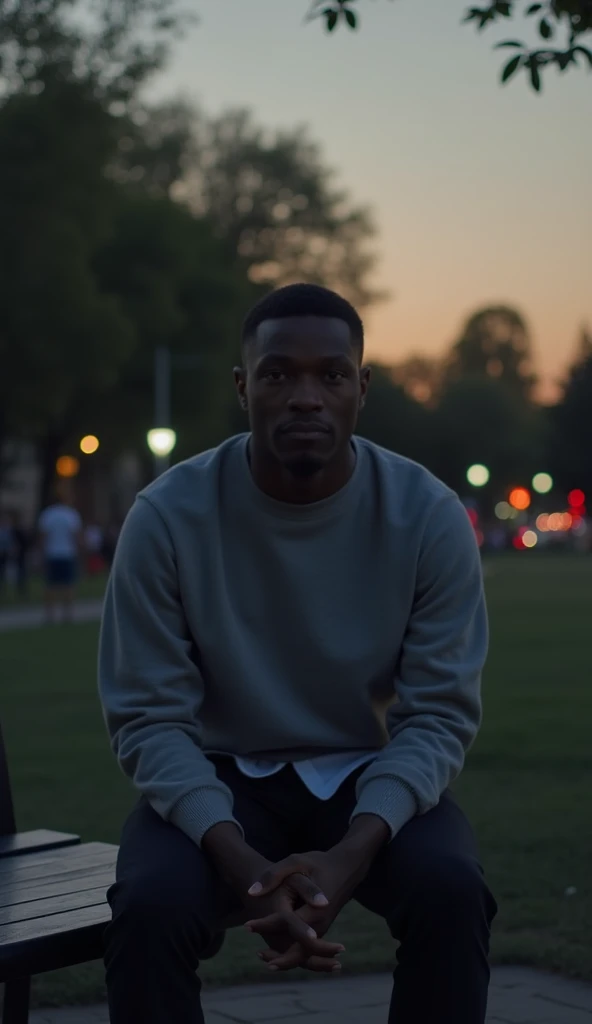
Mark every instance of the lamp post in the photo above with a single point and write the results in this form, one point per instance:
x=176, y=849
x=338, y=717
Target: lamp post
x=161, y=441
x=162, y=438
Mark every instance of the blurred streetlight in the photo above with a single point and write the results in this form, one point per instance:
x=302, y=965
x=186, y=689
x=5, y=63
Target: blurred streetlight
x=503, y=510
x=89, y=444
x=478, y=475
x=542, y=483
x=520, y=499
x=161, y=441
x=67, y=467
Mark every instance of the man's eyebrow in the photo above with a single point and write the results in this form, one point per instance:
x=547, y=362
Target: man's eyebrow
x=282, y=357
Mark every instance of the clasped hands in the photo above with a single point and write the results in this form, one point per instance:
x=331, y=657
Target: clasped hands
x=299, y=899
x=293, y=904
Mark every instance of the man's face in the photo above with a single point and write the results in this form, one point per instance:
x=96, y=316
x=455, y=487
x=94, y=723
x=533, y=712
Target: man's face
x=303, y=388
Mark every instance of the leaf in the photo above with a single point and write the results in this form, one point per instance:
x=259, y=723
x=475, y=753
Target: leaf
x=587, y=53
x=563, y=60
x=511, y=67
x=509, y=42
x=535, y=75
x=545, y=29
x=473, y=14
x=486, y=16
x=350, y=17
x=332, y=18
x=534, y=8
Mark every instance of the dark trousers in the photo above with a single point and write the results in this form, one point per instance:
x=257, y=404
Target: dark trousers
x=427, y=884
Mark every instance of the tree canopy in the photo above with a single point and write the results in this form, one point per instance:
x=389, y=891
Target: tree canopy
x=560, y=24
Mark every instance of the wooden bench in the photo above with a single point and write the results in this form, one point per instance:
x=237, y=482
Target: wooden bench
x=53, y=907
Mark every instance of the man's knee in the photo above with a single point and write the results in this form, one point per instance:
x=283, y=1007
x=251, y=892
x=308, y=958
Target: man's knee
x=148, y=913
x=452, y=884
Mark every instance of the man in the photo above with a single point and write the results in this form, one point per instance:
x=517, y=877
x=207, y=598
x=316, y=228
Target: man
x=291, y=649
x=60, y=531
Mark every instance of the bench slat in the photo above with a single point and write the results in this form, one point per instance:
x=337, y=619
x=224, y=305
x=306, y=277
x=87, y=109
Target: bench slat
x=61, y=940
x=38, y=910
x=76, y=881
x=32, y=842
x=72, y=920
x=44, y=865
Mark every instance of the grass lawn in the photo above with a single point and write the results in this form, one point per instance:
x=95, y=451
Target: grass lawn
x=526, y=786
x=89, y=588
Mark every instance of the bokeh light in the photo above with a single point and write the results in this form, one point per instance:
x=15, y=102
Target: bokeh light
x=542, y=523
x=161, y=440
x=530, y=539
x=542, y=483
x=89, y=444
x=520, y=499
x=576, y=498
x=478, y=475
x=503, y=510
x=473, y=516
x=67, y=467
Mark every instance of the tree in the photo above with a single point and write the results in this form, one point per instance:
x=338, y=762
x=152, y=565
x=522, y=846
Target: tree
x=61, y=337
x=571, y=425
x=111, y=46
x=568, y=19
x=394, y=420
x=269, y=196
x=420, y=377
x=494, y=343
x=478, y=420
x=176, y=285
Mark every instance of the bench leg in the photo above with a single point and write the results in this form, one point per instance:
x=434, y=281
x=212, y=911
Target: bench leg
x=16, y=1001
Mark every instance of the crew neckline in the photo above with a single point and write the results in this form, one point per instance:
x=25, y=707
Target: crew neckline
x=301, y=512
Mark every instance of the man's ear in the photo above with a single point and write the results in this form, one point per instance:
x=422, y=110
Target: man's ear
x=240, y=382
x=365, y=374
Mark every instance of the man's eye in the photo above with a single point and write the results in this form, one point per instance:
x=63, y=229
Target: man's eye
x=335, y=376
x=275, y=376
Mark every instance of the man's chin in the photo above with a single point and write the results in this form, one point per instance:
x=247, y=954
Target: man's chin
x=304, y=464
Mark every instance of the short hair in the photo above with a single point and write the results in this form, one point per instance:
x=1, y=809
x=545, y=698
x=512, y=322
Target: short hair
x=304, y=300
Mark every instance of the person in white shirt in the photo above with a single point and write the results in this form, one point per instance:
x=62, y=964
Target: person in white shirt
x=60, y=529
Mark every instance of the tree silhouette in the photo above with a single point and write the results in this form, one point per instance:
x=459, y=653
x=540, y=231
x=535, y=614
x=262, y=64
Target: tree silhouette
x=494, y=343
x=561, y=25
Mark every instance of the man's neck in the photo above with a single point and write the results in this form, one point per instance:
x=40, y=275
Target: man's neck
x=280, y=483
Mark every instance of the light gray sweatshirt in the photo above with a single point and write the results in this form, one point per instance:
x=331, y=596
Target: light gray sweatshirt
x=238, y=624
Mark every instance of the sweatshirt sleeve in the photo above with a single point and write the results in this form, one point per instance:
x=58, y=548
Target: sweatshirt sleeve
x=438, y=682
x=150, y=686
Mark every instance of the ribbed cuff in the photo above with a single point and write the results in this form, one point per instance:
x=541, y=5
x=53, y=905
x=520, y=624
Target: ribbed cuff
x=198, y=812
x=388, y=799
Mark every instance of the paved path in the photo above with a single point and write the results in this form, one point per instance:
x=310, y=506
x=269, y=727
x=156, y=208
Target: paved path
x=518, y=996
x=30, y=618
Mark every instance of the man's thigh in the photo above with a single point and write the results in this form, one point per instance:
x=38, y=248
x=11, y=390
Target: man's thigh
x=434, y=851
x=158, y=863
x=433, y=861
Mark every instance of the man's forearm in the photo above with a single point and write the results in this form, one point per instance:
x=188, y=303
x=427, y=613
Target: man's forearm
x=366, y=837
x=237, y=862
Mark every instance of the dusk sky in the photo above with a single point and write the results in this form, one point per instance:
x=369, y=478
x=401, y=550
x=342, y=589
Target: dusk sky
x=481, y=193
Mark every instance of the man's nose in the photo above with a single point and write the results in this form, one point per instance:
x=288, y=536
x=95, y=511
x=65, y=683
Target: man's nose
x=306, y=397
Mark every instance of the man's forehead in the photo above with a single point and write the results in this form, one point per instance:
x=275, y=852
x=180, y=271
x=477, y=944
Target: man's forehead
x=303, y=330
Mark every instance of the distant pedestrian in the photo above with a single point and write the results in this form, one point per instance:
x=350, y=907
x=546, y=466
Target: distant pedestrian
x=21, y=545
x=93, y=546
x=5, y=545
x=60, y=529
